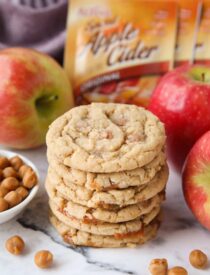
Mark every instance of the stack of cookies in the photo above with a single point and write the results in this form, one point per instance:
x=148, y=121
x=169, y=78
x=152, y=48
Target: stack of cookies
x=107, y=175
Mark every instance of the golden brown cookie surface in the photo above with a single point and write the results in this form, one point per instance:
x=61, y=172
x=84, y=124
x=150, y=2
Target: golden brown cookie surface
x=81, y=238
x=106, y=138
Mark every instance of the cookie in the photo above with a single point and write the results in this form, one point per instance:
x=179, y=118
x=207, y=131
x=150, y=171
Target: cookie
x=111, y=198
x=80, y=238
x=108, y=181
x=105, y=138
x=112, y=216
x=104, y=228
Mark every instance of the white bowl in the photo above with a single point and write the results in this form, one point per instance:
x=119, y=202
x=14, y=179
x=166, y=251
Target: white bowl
x=14, y=211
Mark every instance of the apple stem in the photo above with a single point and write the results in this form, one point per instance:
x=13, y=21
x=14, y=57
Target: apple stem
x=203, y=77
x=47, y=99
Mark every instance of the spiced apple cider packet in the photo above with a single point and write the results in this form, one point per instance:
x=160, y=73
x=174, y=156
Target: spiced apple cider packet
x=116, y=50
x=202, y=51
x=188, y=22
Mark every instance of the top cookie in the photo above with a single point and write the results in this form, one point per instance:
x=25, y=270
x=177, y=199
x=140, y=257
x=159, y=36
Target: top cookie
x=104, y=138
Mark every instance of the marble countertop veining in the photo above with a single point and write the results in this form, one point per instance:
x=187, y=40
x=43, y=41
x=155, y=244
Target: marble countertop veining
x=178, y=235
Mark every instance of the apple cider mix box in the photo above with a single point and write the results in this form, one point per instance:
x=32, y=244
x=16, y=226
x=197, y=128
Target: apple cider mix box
x=188, y=21
x=202, y=52
x=116, y=50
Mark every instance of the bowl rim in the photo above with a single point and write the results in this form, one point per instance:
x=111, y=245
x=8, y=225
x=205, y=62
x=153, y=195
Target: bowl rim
x=32, y=192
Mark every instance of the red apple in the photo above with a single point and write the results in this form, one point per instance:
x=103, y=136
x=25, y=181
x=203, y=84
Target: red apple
x=34, y=90
x=182, y=102
x=196, y=180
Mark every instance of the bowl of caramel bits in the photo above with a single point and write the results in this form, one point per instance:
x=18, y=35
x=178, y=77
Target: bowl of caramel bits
x=18, y=184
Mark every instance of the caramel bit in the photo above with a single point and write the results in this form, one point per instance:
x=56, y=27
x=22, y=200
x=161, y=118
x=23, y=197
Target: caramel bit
x=86, y=219
x=15, y=245
x=65, y=212
x=106, y=135
x=43, y=259
x=9, y=172
x=96, y=186
x=68, y=238
x=23, y=169
x=14, y=177
x=198, y=259
x=135, y=138
x=91, y=220
x=134, y=234
x=23, y=192
x=158, y=267
x=4, y=162
x=177, y=270
x=106, y=206
x=109, y=135
x=13, y=198
x=16, y=162
x=29, y=179
x=10, y=183
x=3, y=205
x=3, y=191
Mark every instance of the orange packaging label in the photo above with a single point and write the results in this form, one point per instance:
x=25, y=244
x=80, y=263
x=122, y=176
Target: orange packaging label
x=188, y=21
x=132, y=91
x=202, y=52
x=112, y=43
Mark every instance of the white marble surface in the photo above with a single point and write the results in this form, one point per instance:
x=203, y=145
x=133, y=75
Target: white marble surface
x=179, y=234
